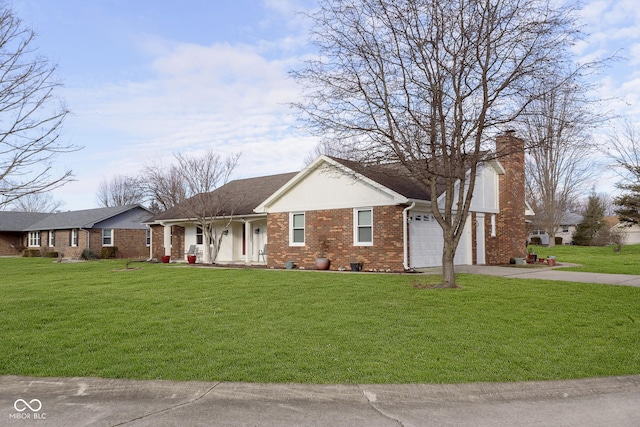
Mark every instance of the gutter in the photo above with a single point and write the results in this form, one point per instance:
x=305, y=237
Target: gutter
x=405, y=235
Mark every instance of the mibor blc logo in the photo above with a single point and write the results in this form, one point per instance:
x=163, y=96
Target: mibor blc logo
x=27, y=410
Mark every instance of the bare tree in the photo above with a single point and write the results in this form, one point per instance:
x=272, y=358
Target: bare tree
x=36, y=202
x=559, y=166
x=31, y=115
x=121, y=190
x=210, y=206
x=165, y=186
x=428, y=83
x=624, y=149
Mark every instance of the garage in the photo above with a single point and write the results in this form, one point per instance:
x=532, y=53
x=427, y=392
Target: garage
x=426, y=243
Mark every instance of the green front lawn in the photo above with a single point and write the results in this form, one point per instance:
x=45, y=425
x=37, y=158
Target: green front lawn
x=186, y=323
x=595, y=259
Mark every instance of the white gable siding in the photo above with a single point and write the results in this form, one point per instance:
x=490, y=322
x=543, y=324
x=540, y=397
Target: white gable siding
x=485, y=196
x=329, y=188
x=485, y=192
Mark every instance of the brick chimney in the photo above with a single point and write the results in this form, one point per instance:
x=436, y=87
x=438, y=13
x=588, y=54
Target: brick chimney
x=511, y=233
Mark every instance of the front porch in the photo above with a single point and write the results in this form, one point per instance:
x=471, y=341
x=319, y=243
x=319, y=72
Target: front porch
x=243, y=241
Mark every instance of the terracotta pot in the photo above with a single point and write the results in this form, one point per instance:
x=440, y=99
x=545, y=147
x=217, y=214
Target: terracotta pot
x=191, y=259
x=322, y=263
x=166, y=259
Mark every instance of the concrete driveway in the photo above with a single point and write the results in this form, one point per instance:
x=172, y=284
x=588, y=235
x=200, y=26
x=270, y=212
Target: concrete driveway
x=71, y=402
x=546, y=273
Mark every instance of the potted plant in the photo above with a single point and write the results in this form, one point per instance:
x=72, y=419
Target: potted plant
x=532, y=256
x=322, y=262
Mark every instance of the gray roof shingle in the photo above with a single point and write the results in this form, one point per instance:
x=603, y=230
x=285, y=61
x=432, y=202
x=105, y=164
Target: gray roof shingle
x=19, y=221
x=238, y=197
x=77, y=219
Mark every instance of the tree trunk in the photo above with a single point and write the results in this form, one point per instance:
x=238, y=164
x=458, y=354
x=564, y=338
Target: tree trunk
x=207, y=235
x=448, y=270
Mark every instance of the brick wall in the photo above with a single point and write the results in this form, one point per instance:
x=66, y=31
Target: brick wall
x=9, y=241
x=177, y=242
x=157, y=241
x=130, y=243
x=336, y=228
x=510, y=240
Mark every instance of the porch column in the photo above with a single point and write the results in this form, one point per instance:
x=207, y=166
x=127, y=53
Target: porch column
x=247, y=242
x=167, y=239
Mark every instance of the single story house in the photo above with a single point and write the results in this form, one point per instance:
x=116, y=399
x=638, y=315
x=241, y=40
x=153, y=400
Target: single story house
x=12, y=234
x=69, y=233
x=348, y=213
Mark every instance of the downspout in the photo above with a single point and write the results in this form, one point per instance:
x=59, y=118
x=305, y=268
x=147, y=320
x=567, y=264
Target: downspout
x=405, y=235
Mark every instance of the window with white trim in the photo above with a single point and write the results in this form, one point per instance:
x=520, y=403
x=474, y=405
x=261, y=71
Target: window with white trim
x=52, y=238
x=296, y=229
x=74, y=238
x=34, y=239
x=107, y=237
x=199, y=236
x=148, y=236
x=363, y=227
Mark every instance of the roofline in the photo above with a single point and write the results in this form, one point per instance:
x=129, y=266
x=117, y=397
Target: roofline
x=221, y=218
x=123, y=209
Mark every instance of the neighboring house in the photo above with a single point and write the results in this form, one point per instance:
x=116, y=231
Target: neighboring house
x=354, y=213
x=564, y=235
x=69, y=233
x=12, y=226
x=632, y=232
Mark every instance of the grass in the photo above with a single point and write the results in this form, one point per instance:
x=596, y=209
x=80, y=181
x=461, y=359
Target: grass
x=181, y=323
x=594, y=259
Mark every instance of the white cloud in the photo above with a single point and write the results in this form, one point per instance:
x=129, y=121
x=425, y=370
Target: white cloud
x=229, y=97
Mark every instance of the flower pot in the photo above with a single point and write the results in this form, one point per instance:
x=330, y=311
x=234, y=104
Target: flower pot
x=322, y=263
x=191, y=259
x=355, y=266
x=166, y=259
x=551, y=261
x=289, y=265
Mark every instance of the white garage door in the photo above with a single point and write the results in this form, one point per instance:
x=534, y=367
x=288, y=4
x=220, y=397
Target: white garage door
x=426, y=243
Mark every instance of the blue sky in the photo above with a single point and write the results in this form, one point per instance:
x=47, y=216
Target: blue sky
x=145, y=79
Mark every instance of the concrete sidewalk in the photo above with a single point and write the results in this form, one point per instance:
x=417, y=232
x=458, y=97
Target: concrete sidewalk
x=72, y=402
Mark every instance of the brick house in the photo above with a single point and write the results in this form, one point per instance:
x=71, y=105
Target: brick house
x=348, y=213
x=69, y=233
x=12, y=226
